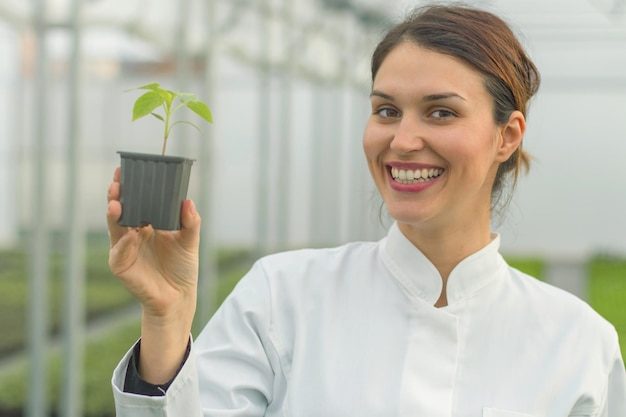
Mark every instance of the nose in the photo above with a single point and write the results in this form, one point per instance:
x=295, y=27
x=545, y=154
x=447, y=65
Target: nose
x=408, y=136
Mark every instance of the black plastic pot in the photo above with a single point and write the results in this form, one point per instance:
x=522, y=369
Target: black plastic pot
x=152, y=189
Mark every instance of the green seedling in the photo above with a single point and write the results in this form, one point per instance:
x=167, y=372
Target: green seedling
x=169, y=101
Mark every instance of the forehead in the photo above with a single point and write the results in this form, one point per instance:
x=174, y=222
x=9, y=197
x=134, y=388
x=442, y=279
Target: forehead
x=411, y=67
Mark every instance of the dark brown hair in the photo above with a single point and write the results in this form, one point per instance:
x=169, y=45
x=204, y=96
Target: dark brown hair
x=485, y=42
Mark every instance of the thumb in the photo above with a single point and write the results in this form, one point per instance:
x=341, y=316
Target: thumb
x=190, y=220
x=123, y=253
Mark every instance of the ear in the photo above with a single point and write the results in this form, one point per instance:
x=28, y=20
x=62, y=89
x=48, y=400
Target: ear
x=511, y=135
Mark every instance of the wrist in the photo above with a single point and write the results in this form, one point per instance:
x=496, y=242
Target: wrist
x=166, y=315
x=169, y=330
x=164, y=340
x=162, y=353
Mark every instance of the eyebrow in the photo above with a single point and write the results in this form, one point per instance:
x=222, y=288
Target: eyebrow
x=381, y=95
x=441, y=96
x=426, y=99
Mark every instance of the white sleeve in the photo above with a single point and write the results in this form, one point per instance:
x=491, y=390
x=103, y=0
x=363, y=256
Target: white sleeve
x=614, y=401
x=181, y=398
x=238, y=364
x=616, y=391
x=231, y=367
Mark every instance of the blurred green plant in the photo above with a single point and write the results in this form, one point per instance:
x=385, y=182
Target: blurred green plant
x=607, y=293
x=101, y=354
x=102, y=291
x=156, y=97
x=530, y=266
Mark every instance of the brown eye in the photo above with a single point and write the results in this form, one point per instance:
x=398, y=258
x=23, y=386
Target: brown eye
x=387, y=112
x=442, y=114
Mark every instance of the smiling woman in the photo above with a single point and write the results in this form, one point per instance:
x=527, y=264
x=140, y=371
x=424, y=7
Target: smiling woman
x=431, y=112
x=485, y=43
x=429, y=321
x=440, y=103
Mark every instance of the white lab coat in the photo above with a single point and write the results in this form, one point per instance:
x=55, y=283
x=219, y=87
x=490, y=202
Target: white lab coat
x=352, y=331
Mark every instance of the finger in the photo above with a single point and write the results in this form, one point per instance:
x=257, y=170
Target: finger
x=190, y=220
x=114, y=212
x=124, y=253
x=114, y=209
x=114, y=191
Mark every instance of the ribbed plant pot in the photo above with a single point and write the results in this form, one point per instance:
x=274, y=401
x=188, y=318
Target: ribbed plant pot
x=152, y=189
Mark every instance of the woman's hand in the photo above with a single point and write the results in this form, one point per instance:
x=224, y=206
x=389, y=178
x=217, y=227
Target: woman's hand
x=160, y=269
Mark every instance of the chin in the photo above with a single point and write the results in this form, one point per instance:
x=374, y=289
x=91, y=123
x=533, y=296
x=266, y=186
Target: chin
x=408, y=215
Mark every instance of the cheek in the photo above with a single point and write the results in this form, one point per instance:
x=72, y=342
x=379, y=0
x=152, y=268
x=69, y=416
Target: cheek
x=480, y=146
x=374, y=142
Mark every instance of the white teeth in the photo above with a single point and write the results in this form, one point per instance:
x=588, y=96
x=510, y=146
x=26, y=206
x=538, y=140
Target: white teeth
x=419, y=175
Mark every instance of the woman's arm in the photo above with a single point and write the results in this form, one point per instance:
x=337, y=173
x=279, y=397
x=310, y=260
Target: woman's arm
x=160, y=269
x=615, y=401
x=233, y=368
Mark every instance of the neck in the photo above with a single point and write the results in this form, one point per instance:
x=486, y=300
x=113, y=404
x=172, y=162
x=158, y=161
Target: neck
x=446, y=246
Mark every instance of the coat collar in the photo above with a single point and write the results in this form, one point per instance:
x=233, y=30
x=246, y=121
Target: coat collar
x=422, y=280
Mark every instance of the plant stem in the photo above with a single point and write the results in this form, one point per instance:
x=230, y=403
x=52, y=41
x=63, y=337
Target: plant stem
x=167, y=126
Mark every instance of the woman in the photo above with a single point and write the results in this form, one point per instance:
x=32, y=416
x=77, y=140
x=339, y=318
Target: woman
x=430, y=321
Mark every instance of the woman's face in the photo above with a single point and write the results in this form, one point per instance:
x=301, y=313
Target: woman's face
x=431, y=142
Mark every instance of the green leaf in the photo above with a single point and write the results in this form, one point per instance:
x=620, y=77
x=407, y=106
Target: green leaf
x=186, y=123
x=201, y=109
x=168, y=96
x=151, y=86
x=146, y=103
x=157, y=96
x=186, y=97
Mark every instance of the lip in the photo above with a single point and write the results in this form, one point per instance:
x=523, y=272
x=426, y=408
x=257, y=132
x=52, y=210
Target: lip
x=411, y=188
x=410, y=165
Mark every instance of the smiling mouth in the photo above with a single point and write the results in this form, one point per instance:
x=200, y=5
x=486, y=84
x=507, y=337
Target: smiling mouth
x=407, y=176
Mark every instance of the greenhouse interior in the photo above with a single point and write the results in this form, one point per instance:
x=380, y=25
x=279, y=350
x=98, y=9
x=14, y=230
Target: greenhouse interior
x=280, y=167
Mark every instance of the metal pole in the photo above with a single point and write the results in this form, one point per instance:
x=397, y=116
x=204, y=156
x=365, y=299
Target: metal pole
x=207, y=282
x=38, y=323
x=9, y=176
x=347, y=169
x=359, y=226
x=182, y=67
x=569, y=271
x=334, y=114
x=284, y=150
x=264, y=112
x=317, y=186
x=74, y=284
